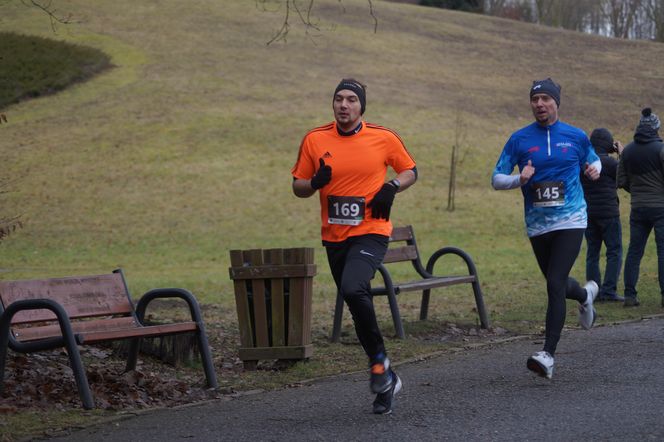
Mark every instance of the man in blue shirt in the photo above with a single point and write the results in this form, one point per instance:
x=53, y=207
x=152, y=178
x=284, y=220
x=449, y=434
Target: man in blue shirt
x=550, y=155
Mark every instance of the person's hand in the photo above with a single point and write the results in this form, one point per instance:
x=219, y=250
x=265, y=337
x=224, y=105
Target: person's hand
x=619, y=147
x=381, y=204
x=322, y=177
x=591, y=172
x=527, y=172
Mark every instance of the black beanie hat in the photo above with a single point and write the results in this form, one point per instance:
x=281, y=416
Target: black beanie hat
x=548, y=87
x=354, y=86
x=602, y=140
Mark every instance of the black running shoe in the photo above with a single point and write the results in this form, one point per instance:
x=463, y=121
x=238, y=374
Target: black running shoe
x=384, y=401
x=381, y=379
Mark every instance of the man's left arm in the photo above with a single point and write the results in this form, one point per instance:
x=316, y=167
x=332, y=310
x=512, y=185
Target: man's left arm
x=406, y=179
x=593, y=165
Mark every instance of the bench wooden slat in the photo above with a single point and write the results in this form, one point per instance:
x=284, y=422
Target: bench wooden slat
x=100, y=295
x=140, y=332
x=430, y=283
x=104, y=330
x=397, y=254
x=424, y=284
x=277, y=289
x=401, y=233
x=272, y=271
x=25, y=334
x=242, y=302
x=255, y=257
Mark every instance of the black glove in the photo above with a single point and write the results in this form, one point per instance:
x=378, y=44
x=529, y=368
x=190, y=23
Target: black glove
x=322, y=177
x=381, y=204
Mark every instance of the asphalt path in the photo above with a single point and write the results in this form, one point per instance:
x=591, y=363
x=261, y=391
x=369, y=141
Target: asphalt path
x=608, y=384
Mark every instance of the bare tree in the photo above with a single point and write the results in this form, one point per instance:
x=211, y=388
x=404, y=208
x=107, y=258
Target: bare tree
x=47, y=7
x=639, y=19
x=621, y=15
x=9, y=224
x=513, y=9
x=459, y=139
x=495, y=7
x=302, y=12
x=654, y=10
x=567, y=14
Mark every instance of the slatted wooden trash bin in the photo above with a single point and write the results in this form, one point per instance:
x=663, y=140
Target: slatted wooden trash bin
x=273, y=290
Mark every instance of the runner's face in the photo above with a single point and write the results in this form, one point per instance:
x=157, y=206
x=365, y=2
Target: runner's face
x=545, y=109
x=347, y=109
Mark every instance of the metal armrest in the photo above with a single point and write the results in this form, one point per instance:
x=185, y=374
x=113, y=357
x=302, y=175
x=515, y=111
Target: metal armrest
x=164, y=293
x=44, y=344
x=447, y=251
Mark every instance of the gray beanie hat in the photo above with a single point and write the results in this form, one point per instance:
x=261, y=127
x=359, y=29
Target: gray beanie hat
x=649, y=119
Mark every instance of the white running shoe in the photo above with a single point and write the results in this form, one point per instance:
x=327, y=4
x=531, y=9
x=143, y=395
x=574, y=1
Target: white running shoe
x=587, y=311
x=541, y=363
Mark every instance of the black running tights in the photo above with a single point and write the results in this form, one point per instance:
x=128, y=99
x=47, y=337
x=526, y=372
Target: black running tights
x=353, y=263
x=556, y=252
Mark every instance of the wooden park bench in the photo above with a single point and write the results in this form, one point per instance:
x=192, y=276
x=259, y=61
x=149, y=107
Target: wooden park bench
x=44, y=314
x=425, y=282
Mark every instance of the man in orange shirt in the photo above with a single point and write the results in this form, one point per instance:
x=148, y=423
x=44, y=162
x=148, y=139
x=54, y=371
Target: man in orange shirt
x=346, y=162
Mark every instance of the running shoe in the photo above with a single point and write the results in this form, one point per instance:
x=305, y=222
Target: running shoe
x=587, y=311
x=384, y=401
x=632, y=301
x=381, y=379
x=541, y=363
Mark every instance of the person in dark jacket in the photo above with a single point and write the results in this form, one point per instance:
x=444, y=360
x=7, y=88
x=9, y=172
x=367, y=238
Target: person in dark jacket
x=641, y=173
x=604, y=217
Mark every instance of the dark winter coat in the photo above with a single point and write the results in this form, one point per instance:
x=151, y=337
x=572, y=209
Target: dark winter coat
x=601, y=195
x=641, y=168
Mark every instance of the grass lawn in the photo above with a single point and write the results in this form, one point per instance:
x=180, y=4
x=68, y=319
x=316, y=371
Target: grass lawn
x=181, y=151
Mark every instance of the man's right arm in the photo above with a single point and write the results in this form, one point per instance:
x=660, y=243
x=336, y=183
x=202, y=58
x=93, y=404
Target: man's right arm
x=302, y=188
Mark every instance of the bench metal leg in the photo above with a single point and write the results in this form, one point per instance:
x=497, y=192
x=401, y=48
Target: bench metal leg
x=338, y=313
x=206, y=357
x=424, y=307
x=479, y=301
x=396, y=316
x=132, y=356
x=79, y=373
x=392, y=299
x=4, y=345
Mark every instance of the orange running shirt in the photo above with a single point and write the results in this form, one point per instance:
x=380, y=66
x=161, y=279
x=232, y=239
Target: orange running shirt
x=359, y=166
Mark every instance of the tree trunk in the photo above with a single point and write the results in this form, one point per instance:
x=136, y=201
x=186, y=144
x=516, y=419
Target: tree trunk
x=452, y=184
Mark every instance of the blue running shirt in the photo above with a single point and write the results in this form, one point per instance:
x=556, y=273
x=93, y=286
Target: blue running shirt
x=553, y=198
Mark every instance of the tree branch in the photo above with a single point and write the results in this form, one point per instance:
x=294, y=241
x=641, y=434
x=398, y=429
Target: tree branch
x=304, y=14
x=52, y=13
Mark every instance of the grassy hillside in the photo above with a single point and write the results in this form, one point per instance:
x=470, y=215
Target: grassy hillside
x=182, y=150
x=35, y=66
